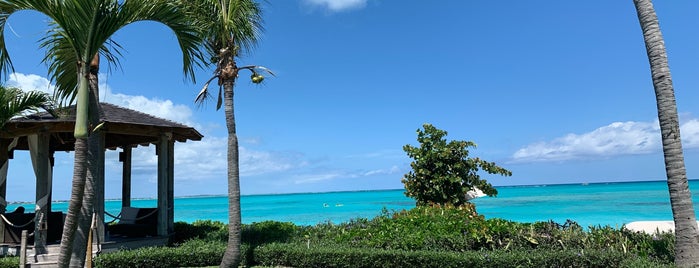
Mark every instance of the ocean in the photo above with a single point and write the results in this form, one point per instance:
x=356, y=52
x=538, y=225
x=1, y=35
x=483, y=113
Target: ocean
x=593, y=204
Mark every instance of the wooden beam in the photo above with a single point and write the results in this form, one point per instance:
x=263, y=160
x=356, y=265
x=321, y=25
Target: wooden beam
x=20, y=129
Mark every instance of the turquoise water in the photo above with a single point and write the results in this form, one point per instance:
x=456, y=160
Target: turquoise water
x=611, y=204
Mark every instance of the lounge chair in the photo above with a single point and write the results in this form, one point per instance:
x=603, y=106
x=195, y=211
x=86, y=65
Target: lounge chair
x=135, y=222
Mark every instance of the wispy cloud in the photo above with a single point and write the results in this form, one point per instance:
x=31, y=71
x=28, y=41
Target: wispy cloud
x=322, y=176
x=337, y=5
x=619, y=138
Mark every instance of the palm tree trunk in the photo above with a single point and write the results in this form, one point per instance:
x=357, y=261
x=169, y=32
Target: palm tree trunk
x=232, y=256
x=686, y=232
x=74, y=207
x=78, y=187
x=85, y=217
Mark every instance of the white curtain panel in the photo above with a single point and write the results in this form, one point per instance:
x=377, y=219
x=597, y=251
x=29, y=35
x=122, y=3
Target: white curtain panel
x=33, y=141
x=3, y=174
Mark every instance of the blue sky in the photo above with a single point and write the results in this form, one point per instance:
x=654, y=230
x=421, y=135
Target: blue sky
x=556, y=92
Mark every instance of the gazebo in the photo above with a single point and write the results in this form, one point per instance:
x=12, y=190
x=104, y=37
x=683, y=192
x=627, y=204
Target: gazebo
x=42, y=134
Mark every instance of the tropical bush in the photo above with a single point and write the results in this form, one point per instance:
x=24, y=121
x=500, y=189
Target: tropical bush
x=461, y=229
x=442, y=172
x=444, y=235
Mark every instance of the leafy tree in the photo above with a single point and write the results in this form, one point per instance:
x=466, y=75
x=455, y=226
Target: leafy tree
x=442, y=172
x=687, y=233
x=230, y=27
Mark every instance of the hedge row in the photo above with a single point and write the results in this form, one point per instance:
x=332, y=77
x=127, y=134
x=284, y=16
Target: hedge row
x=192, y=253
x=296, y=255
x=9, y=262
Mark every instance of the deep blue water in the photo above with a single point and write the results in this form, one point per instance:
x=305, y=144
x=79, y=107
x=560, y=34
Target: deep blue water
x=588, y=204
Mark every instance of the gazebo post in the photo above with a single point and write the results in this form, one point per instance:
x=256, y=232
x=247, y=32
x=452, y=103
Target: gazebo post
x=43, y=186
x=99, y=185
x=50, y=174
x=171, y=187
x=125, y=158
x=165, y=167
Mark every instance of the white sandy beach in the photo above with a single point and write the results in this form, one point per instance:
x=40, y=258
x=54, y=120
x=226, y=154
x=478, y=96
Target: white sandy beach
x=651, y=227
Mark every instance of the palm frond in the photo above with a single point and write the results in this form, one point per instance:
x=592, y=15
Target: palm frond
x=227, y=24
x=219, y=101
x=14, y=102
x=7, y=9
x=203, y=95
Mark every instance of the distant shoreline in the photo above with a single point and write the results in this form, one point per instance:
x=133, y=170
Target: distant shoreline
x=355, y=191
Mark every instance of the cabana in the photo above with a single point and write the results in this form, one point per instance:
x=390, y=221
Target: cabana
x=43, y=134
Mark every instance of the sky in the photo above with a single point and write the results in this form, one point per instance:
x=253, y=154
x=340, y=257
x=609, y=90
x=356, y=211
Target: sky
x=553, y=91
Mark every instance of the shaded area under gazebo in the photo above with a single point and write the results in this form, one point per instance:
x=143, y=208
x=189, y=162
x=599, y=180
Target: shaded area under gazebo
x=43, y=134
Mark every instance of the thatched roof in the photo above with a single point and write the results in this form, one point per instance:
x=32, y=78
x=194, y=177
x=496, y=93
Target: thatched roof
x=122, y=127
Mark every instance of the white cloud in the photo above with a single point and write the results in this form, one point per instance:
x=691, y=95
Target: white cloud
x=161, y=108
x=689, y=132
x=337, y=5
x=157, y=107
x=28, y=82
x=193, y=159
x=619, y=138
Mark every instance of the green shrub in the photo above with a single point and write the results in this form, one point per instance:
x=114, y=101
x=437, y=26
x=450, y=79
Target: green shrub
x=192, y=253
x=459, y=229
x=268, y=231
x=298, y=255
x=201, y=229
x=259, y=233
x=9, y=262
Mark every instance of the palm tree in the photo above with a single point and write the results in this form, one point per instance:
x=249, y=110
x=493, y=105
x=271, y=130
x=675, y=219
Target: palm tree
x=229, y=26
x=81, y=32
x=687, y=235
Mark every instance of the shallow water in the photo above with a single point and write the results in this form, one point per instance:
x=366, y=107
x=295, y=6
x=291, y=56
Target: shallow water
x=611, y=204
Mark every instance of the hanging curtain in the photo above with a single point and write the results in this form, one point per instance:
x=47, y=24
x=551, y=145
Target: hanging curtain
x=33, y=141
x=3, y=175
